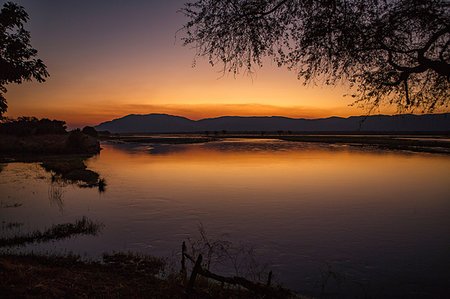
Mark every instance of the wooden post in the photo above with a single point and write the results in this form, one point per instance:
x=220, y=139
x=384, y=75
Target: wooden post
x=197, y=267
x=269, y=280
x=183, y=259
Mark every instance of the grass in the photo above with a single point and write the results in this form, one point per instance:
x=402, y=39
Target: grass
x=10, y=225
x=117, y=276
x=34, y=276
x=84, y=226
x=10, y=205
x=383, y=142
x=162, y=140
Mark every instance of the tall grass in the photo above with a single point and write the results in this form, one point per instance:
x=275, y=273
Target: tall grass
x=83, y=226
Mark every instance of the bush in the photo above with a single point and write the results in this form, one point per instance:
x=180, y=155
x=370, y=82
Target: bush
x=27, y=126
x=78, y=142
x=90, y=131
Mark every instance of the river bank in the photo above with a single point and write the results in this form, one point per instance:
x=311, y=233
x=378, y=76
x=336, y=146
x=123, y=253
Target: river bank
x=436, y=143
x=117, y=276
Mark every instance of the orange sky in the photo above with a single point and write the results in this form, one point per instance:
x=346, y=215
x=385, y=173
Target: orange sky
x=114, y=59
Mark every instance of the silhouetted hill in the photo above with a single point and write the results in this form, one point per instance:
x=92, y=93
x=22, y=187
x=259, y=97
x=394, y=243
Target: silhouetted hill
x=164, y=123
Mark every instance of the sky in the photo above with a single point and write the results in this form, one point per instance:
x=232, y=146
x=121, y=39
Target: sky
x=111, y=58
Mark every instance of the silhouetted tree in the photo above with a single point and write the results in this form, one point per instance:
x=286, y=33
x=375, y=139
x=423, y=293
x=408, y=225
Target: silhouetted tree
x=26, y=126
x=392, y=51
x=17, y=57
x=90, y=131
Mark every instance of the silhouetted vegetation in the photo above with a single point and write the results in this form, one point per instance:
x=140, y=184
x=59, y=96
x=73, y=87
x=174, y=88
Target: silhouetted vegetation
x=10, y=205
x=33, y=136
x=118, y=276
x=30, y=139
x=34, y=144
x=381, y=142
x=78, y=142
x=409, y=141
x=90, y=131
x=104, y=133
x=135, y=263
x=27, y=126
x=17, y=56
x=83, y=226
x=161, y=140
x=14, y=146
x=74, y=171
x=25, y=276
x=11, y=225
x=248, y=274
x=220, y=253
x=393, y=52
x=102, y=185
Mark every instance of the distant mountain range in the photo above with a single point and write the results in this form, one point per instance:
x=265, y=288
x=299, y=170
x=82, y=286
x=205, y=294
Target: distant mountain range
x=164, y=123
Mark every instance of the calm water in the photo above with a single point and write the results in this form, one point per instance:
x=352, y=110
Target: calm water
x=324, y=218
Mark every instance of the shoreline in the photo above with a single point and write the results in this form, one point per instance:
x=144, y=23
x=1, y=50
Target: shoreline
x=427, y=144
x=120, y=275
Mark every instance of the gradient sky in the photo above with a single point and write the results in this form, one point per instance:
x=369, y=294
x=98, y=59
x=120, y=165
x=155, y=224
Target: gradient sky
x=110, y=58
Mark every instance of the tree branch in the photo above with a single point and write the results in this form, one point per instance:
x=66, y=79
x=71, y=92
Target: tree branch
x=441, y=54
x=432, y=40
x=273, y=9
x=416, y=69
x=407, y=92
x=262, y=14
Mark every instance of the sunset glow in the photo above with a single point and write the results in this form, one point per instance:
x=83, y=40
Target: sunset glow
x=107, y=60
x=224, y=149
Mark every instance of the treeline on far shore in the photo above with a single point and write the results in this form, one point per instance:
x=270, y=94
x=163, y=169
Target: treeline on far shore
x=29, y=135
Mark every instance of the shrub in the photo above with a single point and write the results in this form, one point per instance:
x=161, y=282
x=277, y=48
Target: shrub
x=80, y=143
x=90, y=131
x=26, y=126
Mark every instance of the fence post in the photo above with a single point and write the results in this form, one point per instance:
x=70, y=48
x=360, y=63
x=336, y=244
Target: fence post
x=269, y=280
x=183, y=260
x=197, y=268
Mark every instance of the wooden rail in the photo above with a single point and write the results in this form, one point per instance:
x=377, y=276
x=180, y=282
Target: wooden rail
x=257, y=288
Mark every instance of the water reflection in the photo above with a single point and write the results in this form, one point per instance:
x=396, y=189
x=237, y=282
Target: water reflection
x=72, y=171
x=379, y=219
x=55, y=194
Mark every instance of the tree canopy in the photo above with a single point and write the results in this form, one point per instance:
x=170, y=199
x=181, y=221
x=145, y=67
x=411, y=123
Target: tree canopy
x=392, y=52
x=17, y=57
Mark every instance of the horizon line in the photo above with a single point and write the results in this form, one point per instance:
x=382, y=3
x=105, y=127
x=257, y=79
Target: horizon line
x=267, y=116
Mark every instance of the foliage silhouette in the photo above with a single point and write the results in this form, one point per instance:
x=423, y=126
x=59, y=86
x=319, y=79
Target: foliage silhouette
x=73, y=171
x=17, y=57
x=78, y=142
x=221, y=254
x=391, y=52
x=83, y=226
x=26, y=126
x=90, y=131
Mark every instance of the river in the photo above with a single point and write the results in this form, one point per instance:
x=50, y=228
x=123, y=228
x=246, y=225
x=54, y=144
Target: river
x=330, y=220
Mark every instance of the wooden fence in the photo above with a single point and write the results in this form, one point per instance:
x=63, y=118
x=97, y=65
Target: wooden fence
x=257, y=288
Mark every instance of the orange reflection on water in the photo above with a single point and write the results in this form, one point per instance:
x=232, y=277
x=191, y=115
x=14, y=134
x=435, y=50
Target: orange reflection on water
x=267, y=171
x=377, y=216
